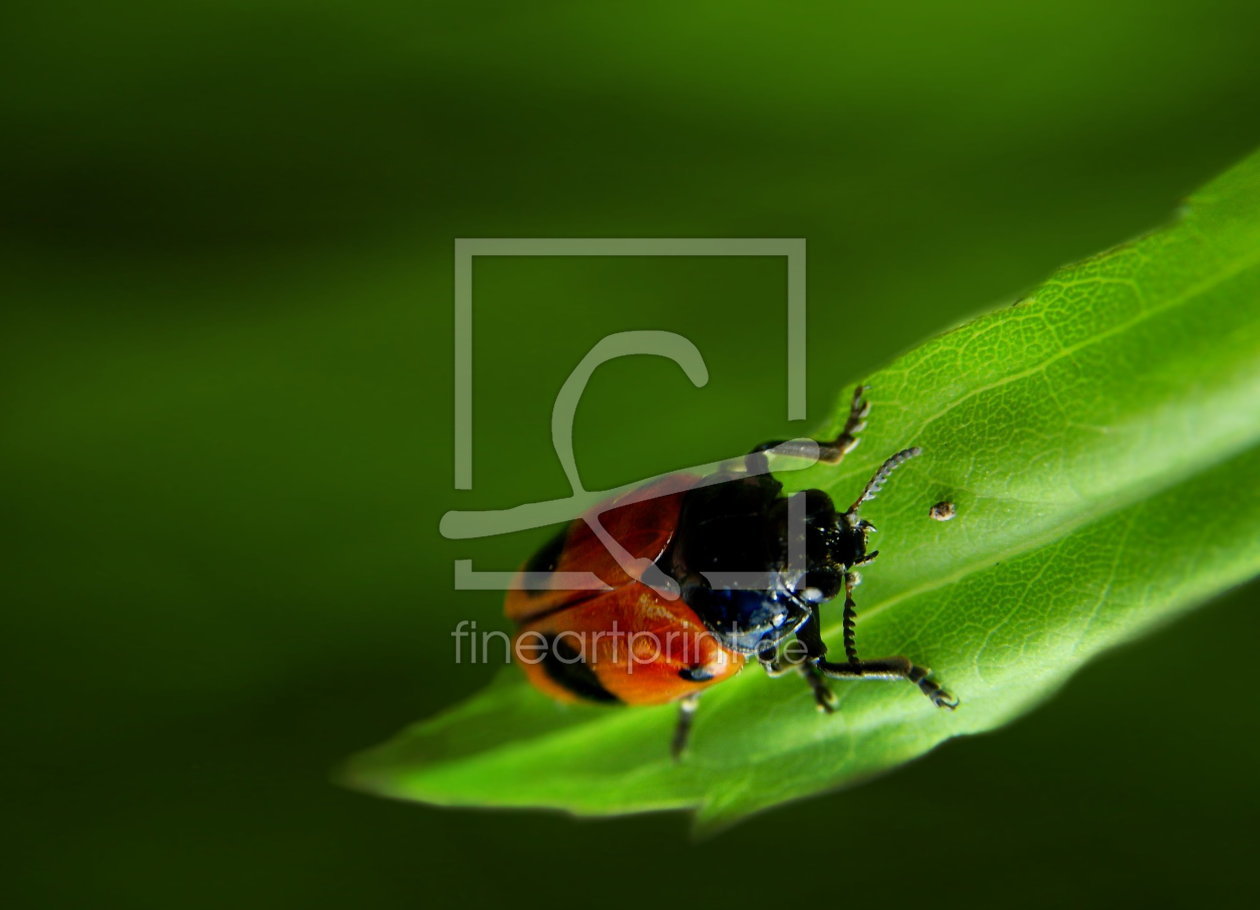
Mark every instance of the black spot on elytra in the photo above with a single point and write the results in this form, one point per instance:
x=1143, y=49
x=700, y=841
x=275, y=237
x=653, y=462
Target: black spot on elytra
x=548, y=556
x=696, y=674
x=566, y=668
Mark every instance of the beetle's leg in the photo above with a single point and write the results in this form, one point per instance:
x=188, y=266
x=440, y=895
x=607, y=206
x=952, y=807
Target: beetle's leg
x=682, y=732
x=773, y=663
x=884, y=668
x=776, y=665
x=891, y=668
x=847, y=441
x=831, y=452
x=824, y=698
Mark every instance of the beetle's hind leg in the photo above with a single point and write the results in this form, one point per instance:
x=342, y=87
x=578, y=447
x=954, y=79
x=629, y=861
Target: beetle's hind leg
x=830, y=452
x=883, y=668
x=682, y=731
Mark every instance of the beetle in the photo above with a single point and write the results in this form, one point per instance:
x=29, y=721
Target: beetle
x=723, y=569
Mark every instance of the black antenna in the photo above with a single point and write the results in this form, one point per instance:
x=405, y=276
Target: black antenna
x=876, y=483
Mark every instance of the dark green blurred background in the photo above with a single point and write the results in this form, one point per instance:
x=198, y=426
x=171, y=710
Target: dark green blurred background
x=227, y=413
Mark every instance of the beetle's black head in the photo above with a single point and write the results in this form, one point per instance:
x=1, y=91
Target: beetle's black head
x=753, y=563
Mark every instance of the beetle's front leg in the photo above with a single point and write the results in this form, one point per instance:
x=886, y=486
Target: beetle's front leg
x=774, y=663
x=810, y=639
x=883, y=668
x=891, y=668
x=800, y=655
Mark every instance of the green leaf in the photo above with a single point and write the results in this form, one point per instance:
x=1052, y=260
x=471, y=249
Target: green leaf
x=1099, y=439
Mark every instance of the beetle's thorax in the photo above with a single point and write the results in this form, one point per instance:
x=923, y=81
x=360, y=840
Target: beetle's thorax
x=752, y=563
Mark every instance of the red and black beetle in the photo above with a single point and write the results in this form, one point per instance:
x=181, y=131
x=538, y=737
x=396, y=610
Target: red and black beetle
x=725, y=543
